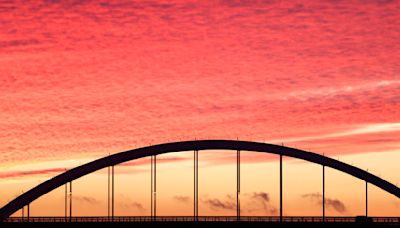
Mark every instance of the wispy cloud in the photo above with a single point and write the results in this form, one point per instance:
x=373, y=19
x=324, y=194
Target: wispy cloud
x=16, y=43
x=261, y=195
x=54, y=171
x=142, y=162
x=353, y=130
x=16, y=174
x=335, y=204
x=217, y=204
x=51, y=107
x=210, y=69
x=86, y=199
x=340, y=90
x=132, y=205
x=263, y=199
x=138, y=206
x=252, y=202
x=128, y=203
x=182, y=199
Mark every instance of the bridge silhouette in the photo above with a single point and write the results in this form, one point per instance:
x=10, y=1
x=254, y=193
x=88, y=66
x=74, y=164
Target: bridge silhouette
x=196, y=146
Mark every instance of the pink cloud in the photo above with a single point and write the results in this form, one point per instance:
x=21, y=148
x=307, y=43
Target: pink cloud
x=138, y=166
x=142, y=73
x=161, y=160
x=14, y=174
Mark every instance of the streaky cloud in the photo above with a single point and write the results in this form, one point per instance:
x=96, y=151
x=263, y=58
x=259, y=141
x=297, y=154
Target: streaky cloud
x=336, y=204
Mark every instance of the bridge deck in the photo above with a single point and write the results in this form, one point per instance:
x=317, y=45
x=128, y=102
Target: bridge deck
x=287, y=219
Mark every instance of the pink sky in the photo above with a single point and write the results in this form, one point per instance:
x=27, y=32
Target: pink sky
x=81, y=79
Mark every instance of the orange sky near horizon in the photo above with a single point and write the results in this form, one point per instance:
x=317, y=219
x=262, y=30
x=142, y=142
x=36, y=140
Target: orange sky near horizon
x=82, y=79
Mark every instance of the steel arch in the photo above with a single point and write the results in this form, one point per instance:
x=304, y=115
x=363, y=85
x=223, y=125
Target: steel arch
x=121, y=157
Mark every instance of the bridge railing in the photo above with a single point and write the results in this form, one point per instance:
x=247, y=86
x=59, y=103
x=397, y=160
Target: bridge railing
x=288, y=219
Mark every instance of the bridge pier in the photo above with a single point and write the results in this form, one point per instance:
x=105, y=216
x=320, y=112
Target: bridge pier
x=108, y=192
x=28, y=212
x=366, y=198
x=323, y=193
x=112, y=193
x=238, y=184
x=66, y=201
x=153, y=186
x=70, y=201
x=196, y=185
x=280, y=189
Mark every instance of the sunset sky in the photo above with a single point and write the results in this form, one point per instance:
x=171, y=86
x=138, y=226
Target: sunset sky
x=83, y=79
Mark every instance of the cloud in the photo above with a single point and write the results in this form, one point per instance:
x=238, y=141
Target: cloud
x=264, y=199
x=134, y=205
x=137, y=74
x=86, y=199
x=217, y=204
x=261, y=195
x=168, y=159
x=222, y=158
x=336, y=204
x=68, y=98
x=54, y=171
x=249, y=3
x=182, y=199
x=350, y=131
x=138, y=206
x=340, y=91
x=256, y=201
x=370, y=128
x=16, y=43
x=14, y=174
x=127, y=203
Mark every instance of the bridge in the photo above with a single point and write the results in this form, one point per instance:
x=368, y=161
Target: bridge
x=196, y=146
